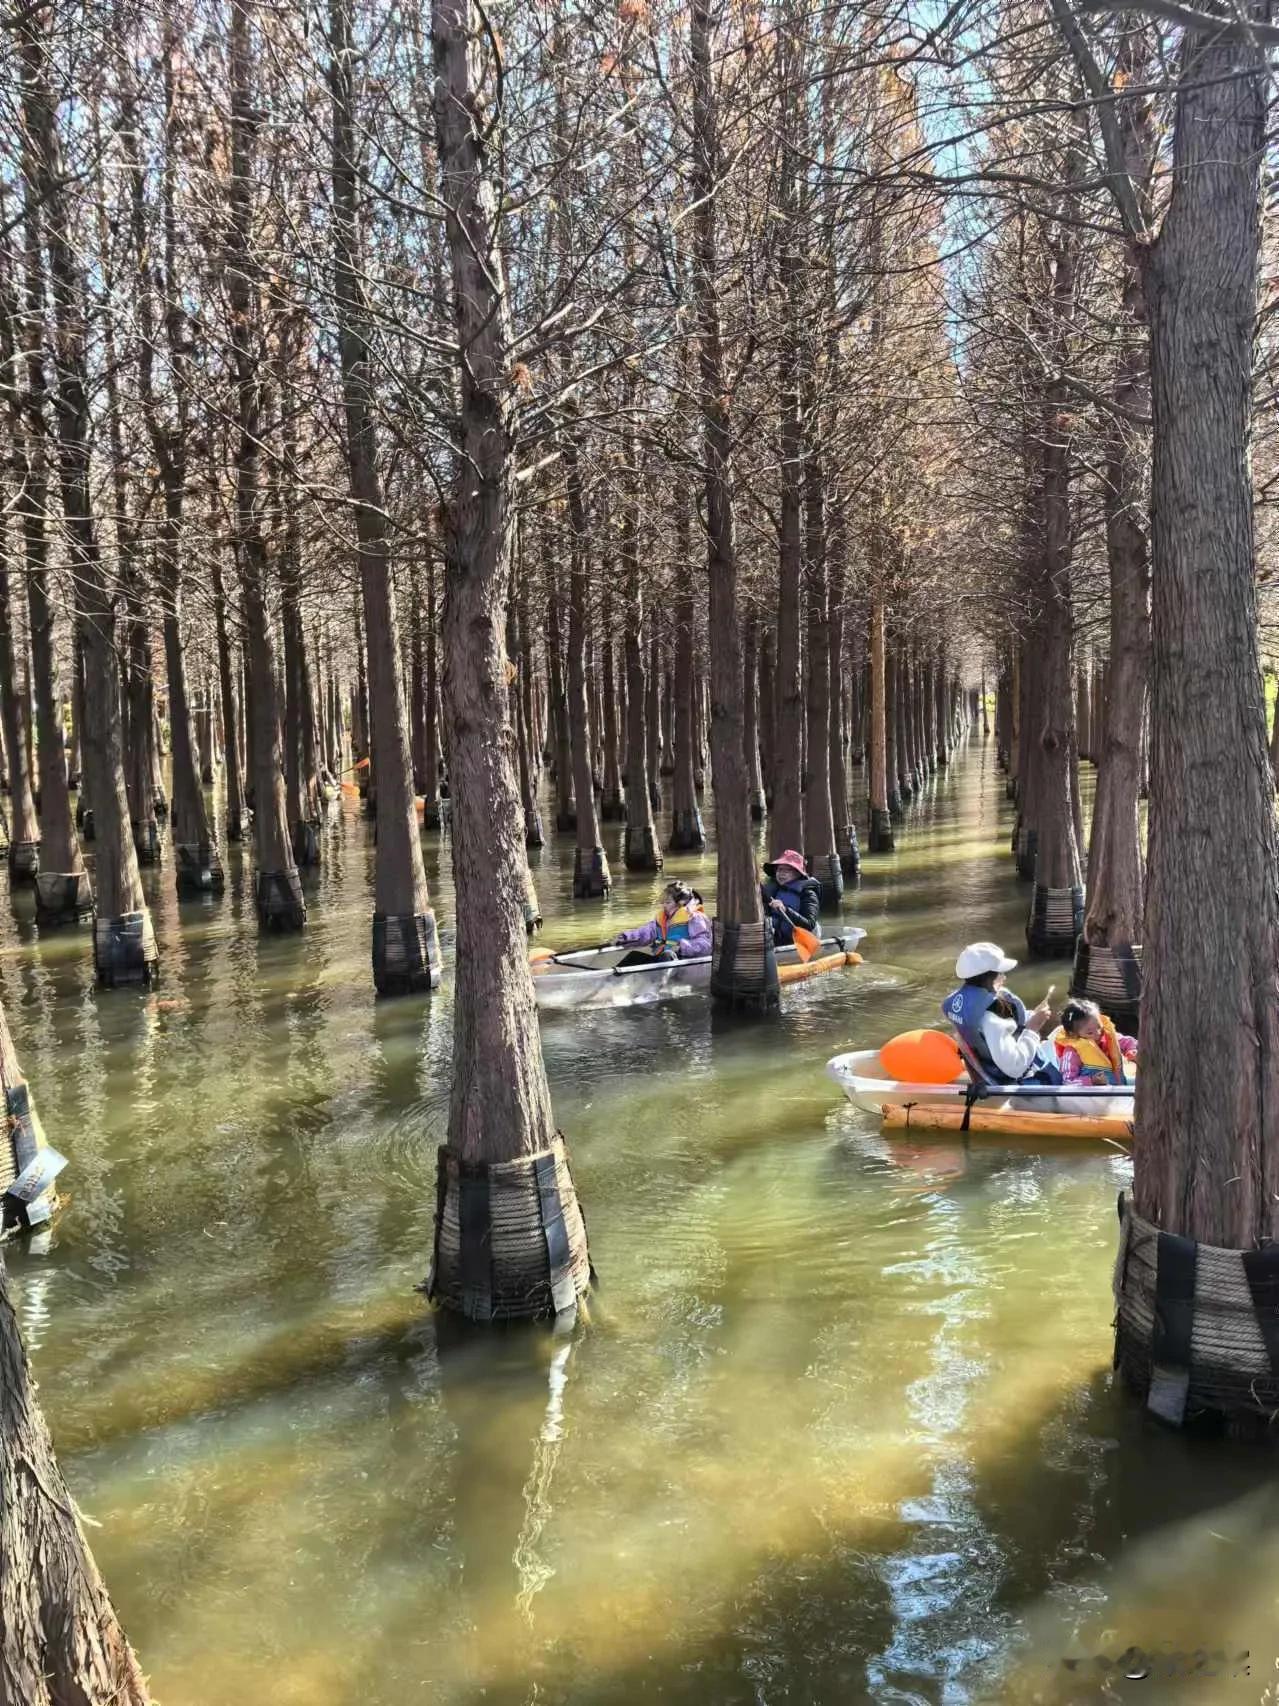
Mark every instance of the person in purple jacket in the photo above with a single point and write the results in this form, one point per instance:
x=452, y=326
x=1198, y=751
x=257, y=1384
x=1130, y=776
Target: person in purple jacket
x=679, y=930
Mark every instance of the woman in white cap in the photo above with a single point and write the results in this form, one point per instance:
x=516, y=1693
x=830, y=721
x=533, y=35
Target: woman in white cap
x=994, y=1022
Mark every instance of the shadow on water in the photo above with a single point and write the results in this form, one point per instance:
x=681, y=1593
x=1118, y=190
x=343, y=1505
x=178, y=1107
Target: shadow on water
x=861, y=1621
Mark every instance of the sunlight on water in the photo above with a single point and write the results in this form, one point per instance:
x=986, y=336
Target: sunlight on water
x=841, y=1427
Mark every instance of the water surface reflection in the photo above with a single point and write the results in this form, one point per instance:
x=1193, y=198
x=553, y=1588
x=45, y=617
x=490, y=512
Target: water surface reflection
x=841, y=1429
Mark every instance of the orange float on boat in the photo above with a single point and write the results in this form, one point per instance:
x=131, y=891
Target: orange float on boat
x=922, y=1057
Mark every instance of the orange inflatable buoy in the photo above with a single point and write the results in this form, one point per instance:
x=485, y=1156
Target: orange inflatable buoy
x=922, y=1057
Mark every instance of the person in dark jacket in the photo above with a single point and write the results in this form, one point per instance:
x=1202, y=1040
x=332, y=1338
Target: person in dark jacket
x=791, y=896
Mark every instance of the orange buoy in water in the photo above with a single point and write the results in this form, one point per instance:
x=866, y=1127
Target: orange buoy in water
x=922, y=1057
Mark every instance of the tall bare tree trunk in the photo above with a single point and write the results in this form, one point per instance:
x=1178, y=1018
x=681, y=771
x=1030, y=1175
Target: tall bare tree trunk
x=659, y=729
x=744, y=961
x=687, y=831
x=591, y=876
x=613, y=801
x=819, y=822
x=124, y=942
x=406, y=953
x=881, y=822
x=62, y=887
x=500, y=1108
x=24, y=832
x=277, y=891
x=1057, y=899
x=237, y=812
x=1107, y=963
x=1206, y=1162
x=642, y=852
x=750, y=714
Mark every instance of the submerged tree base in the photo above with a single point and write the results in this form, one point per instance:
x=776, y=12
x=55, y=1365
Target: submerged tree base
x=592, y=879
x=124, y=950
x=744, y=967
x=1110, y=976
x=510, y=1241
x=1055, y=922
x=406, y=953
x=612, y=807
x=305, y=838
x=199, y=868
x=688, y=833
x=881, y=830
x=277, y=895
x=534, y=834
x=24, y=861
x=432, y=815
x=63, y=897
x=146, y=842
x=1197, y=1328
x=641, y=850
x=828, y=870
x=850, y=853
x=565, y=821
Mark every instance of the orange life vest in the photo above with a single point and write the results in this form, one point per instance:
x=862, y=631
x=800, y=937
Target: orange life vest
x=674, y=928
x=1104, y=1056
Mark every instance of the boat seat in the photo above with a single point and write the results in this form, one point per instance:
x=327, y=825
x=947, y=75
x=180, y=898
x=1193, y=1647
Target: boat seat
x=980, y=1077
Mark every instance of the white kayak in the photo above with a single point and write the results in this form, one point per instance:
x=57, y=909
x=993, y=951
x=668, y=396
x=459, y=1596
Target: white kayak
x=595, y=977
x=863, y=1080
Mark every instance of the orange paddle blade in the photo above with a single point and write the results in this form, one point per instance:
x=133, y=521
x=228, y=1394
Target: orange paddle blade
x=806, y=944
x=539, y=954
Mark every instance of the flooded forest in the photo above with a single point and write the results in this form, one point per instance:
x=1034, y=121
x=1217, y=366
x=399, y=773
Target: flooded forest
x=639, y=940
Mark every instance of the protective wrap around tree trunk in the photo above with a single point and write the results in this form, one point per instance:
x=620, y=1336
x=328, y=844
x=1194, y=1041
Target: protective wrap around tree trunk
x=124, y=950
x=63, y=897
x=406, y=953
x=1197, y=1326
x=591, y=878
x=1055, y=922
x=277, y=895
x=744, y=966
x=1112, y=978
x=510, y=1242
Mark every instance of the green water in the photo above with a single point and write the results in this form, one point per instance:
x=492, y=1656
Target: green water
x=841, y=1428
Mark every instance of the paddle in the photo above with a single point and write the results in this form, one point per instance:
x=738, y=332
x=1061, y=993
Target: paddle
x=537, y=955
x=806, y=944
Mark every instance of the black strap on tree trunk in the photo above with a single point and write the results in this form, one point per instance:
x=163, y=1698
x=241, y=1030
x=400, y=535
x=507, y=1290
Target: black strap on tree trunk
x=1173, y=1330
x=558, y=1255
x=441, y=1196
x=476, y=1228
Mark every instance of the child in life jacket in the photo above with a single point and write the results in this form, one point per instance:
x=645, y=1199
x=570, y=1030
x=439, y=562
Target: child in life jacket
x=1089, y=1048
x=679, y=930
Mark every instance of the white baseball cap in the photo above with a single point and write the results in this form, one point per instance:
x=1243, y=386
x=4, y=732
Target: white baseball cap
x=979, y=957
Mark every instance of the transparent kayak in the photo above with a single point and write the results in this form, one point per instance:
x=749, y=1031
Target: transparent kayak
x=864, y=1081
x=595, y=977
